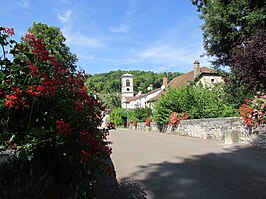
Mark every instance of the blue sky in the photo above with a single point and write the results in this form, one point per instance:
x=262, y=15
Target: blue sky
x=106, y=35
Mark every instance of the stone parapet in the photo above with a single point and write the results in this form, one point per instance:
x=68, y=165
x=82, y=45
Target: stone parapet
x=226, y=130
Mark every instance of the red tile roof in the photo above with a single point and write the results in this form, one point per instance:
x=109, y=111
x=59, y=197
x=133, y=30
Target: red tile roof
x=184, y=79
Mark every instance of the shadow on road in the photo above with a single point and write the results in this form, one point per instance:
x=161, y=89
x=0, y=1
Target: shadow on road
x=107, y=187
x=237, y=173
x=208, y=176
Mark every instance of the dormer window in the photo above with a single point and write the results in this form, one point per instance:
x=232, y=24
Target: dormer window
x=127, y=82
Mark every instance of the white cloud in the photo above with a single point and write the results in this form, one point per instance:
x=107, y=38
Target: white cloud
x=165, y=52
x=65, y=17
x=81, y=40
x=126, y=25
x=171, y=56
x=120, y=29
x=88, y=57
x=23, y=3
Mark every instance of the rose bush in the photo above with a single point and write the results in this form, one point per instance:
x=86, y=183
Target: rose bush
x=46, y=111
x=253, y=112
x=175, y=118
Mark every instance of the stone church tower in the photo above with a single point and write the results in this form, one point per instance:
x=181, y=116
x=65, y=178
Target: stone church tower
x=127, y=85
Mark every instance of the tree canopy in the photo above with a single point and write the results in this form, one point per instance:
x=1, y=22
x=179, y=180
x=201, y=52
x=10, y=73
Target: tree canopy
x=55, y=43
x=111, y=82
x=227, y=23
x=249, y=61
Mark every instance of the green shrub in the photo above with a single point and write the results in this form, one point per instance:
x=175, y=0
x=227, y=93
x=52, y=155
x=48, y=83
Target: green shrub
x=142, y=114
x=117, y=116
x=196, y=101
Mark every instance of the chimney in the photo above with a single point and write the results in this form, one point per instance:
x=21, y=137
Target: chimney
x=165, y=81
x=196, y=68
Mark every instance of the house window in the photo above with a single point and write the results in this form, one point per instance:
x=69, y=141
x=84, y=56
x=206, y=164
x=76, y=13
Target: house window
x=212, y=80
x=127, y=82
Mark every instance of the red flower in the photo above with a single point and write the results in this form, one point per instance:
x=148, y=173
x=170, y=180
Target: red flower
x=34, y=70
x=9, y=31
x=85, y=155
x=9, y=103
x=62, y=127
x=30, y=37
x=147, y=123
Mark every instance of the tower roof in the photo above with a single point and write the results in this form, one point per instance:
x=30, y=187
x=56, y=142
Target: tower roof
x=127, y=75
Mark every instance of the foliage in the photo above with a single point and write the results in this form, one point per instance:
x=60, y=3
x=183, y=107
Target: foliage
x=132, y=116
x=236, y=91
x=111, y=100
x=227, y=24
x=117, y=116
x=44, y=106
x=253, y=112
x=249, y=61
x=196, y=101
x=55, y=43
x=141, y=114
x=111, y=82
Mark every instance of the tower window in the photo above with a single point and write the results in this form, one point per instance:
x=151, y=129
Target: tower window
x=127, y=82
x=128, y=89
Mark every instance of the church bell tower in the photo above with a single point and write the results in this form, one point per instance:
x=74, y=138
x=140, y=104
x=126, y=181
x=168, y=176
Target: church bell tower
x=127, y=85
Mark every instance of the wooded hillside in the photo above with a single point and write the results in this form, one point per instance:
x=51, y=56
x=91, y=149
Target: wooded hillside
x=111, y=82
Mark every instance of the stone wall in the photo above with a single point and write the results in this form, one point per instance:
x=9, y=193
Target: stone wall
x=226, y=130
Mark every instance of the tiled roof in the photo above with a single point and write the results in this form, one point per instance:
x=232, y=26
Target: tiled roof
x=156, y=97
x=183, y=80
x=141, y=96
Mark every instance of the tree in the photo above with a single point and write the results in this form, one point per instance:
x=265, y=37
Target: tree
x=142, y=114
x=249, y=61
x=55, y=43
x=227, y=23
x=117, y=116
x=111, y=82
x=111, y=100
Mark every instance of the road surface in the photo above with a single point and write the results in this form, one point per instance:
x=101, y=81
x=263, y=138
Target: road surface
x=163, y=166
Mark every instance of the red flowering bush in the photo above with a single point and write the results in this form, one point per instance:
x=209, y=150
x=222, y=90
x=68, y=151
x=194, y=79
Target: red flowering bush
x=44, y=106
x=175, y=118
x=148, y=122
x=253, y=113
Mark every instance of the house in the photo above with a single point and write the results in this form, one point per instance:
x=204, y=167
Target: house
x=200, y=75
x=129, y=101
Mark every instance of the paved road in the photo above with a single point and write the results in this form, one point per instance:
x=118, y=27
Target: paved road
x=156, y=165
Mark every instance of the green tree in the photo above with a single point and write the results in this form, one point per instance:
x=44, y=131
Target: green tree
x=111, y=100
x=227, y=23
x=55, y=43
x=117, y=116
x=111, y=82
x=142, y=114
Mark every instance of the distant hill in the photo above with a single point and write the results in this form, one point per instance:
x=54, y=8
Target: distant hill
x=111, y=82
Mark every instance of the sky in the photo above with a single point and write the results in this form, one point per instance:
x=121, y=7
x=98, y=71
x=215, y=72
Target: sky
x=108, y=35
